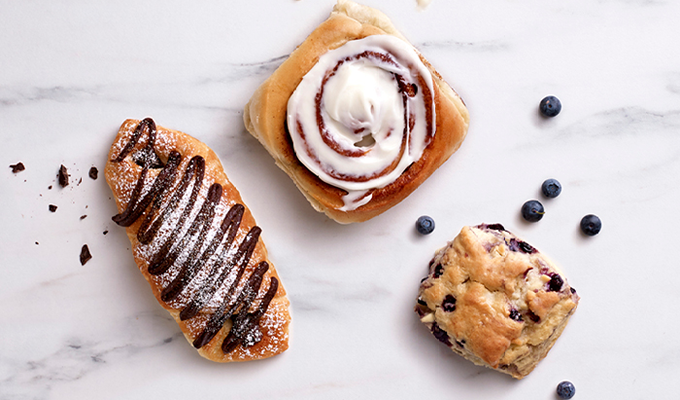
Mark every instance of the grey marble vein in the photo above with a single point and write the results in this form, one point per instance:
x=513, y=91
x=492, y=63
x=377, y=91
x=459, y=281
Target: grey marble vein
x=329, y=296
x=21, y=95
x=471, y=47
x=77, y=358
x=673, y=84
x=239, y=71
x=625, y=121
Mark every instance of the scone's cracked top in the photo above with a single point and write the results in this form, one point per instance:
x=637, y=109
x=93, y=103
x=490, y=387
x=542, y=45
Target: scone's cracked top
x=495, y=299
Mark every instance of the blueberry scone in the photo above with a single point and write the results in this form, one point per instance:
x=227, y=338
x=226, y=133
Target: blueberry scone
x=495, y=300
x=196, y=243
x=356, y=116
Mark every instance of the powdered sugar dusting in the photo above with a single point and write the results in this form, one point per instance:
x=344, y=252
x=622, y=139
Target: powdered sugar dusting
x=191, y=246
x=272, y=326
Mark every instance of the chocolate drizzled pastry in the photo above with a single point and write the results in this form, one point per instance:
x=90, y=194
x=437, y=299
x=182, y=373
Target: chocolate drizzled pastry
x=197, y=243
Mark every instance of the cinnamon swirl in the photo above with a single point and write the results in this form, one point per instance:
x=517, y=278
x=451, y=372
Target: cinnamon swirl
x=356, y=116
x=196, y=243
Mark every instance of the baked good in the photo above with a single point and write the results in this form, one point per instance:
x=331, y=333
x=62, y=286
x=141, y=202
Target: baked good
x=196, y=243
x=496, y=300
x=356, y=116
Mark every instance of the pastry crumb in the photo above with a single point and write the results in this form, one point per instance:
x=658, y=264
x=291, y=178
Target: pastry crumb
x=422, y=4
x=85, y=255
x=18, y=167
x=63, y=176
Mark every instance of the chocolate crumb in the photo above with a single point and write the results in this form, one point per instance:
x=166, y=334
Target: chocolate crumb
x=37, y=243
x=18, y=167
x=85, y=255
x=82, y=217
x=80, y=181
x=49, y=187
x=105, y=232
x=63, y=176
x=52, y=207
x=94, y=173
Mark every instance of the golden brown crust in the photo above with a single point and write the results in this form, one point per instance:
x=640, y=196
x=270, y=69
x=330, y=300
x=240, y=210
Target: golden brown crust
x=265, y=116
x=122, y=177
x=495, y=300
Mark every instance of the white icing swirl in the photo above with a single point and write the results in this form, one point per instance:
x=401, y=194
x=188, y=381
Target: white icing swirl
x=363, y=114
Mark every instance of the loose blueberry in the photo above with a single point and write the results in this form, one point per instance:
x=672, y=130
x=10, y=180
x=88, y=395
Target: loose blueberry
x=550, y=106
x=425, y=225
x=591, y=225
x=449, y=303
x=533, y=211
x=551, y=188
x=566, y=390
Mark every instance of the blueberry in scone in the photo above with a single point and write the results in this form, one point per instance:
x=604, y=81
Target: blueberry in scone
x=495, y=299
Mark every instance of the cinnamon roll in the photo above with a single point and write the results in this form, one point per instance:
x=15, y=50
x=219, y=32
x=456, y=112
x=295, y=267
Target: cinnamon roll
x=356, y=116
x=196, y=243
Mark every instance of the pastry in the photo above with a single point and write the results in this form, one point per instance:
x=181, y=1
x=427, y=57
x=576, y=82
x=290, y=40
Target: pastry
x=495, y=300
x=196, y=243
x=356, y=116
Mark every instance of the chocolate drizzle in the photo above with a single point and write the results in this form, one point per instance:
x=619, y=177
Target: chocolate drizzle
x=182, y=247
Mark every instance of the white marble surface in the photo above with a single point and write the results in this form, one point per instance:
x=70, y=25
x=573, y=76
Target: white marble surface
x=71, y=72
